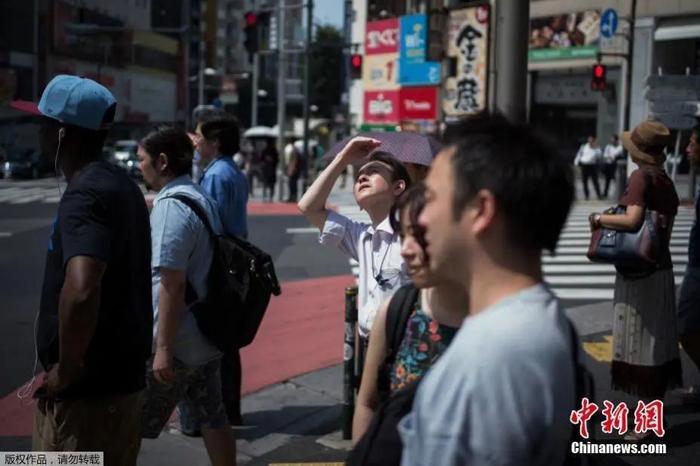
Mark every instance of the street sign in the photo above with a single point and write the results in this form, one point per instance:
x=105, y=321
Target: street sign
x=673, y=80
x=675, y=120
x=680, y=108
x=608, y=23
x=672, y=88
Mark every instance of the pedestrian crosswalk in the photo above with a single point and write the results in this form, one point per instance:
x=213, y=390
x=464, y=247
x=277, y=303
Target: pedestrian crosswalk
x=569, y=273
x=44, y=191
x=13, y=194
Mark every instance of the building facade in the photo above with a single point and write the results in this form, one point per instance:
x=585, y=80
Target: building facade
x=565, y=42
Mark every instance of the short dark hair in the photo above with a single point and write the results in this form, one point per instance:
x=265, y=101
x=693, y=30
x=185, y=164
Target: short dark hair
x=533, y=183
x=398, y=170
x=223, y=129
x=205, y=115
x=412, y=199
x=695, y=130
x=174, y=143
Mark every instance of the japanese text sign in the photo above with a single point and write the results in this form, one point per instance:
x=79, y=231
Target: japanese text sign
x=418, y=103
x=468, y=44
x=379, y=72
x=414, y=33
x=382, y=37
x=381, y=106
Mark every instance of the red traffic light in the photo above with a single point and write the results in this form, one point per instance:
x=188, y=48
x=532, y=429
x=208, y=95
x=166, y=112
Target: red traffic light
x=598, y=81
x=356, y=66
x=251, y=19
x=599, y=71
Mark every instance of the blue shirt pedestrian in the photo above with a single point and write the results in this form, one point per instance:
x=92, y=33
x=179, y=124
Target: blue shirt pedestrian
x=228, y=186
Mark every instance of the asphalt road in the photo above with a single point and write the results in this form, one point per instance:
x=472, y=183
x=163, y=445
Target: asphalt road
x=24, y=233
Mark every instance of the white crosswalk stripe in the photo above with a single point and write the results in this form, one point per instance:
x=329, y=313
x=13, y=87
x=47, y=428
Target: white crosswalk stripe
x=569, y=273
x=44, y=191
x=47, y=194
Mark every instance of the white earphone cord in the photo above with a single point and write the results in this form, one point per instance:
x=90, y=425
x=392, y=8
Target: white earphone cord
x=25, y=392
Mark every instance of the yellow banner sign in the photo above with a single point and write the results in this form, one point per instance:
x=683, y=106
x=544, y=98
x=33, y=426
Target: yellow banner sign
x=379, y=72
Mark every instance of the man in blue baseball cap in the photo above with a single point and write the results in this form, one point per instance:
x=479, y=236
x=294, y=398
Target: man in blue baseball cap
x=95, y=321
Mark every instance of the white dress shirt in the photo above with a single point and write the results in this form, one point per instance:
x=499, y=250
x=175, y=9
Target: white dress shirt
x=378, y=252
x=611, y=153
x=587, y=155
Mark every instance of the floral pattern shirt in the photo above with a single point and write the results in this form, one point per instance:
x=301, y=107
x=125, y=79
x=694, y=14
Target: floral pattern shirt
x=424, y=341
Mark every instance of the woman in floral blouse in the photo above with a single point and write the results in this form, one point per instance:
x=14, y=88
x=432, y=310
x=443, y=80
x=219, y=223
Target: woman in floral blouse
x=436, y=316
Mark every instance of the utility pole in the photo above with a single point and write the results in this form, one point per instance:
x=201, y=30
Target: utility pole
x=625, y=169
x=307, y=78
x=254, y=90
x=35, y=50
x=628, y=77
x=281, y=86
x=512, y=31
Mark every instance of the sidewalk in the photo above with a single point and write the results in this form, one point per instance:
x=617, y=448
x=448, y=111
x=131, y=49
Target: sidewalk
x=299, y=420
x=286, y=422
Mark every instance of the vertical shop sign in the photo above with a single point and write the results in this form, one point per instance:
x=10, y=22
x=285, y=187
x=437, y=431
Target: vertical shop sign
x=468, y=48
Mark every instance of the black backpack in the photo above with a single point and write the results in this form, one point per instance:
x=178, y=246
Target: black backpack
x=240, y=281
x=381, y=444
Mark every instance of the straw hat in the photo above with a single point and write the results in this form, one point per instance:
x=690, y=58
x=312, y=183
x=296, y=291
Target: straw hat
x=646, y=142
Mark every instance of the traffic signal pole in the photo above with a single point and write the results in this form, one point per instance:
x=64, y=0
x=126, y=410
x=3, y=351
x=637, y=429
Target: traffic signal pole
x=254, y=90
x=623, y=167
x=307, y=81
x=281, y=90
x=512, y=38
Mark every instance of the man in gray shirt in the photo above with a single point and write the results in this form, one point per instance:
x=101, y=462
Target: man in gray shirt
x=503, y=391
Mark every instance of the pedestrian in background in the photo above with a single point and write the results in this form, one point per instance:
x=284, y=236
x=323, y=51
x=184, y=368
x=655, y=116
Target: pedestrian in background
x=269, y=159
x=202, y=116
x=588, y=158
x=227, y=185
x=293, y=164
x=689, y=300
x=436, y=315
x=502, y=393
x=196, y=162
x=611, y=154
x=185, y=365
x=377, y=248
x=646, y=359
x=94, y=325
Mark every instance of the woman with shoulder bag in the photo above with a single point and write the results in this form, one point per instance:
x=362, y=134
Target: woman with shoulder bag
x=646, y=360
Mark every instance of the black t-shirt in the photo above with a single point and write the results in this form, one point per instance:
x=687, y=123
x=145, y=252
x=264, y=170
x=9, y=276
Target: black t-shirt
x=103, y=215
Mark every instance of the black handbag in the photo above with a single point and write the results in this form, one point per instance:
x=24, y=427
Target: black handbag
x=643, y=249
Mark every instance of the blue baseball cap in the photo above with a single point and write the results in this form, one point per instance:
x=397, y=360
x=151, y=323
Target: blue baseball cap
x=74, y=101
